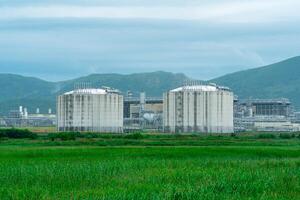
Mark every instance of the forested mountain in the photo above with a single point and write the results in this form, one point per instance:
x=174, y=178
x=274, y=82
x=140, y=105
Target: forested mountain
x=31, y=92
x=273, y=81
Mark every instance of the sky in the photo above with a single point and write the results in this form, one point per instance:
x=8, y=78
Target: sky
x=63, y=39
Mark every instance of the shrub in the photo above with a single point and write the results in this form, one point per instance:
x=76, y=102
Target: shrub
x=266, y=136
x=233, y=134
x=67, y=136
x=64, y=136
x=135, y=136
x=90, y=135
x=3, y=134
x=52, y=136
x=17, y=133
x=285, y=136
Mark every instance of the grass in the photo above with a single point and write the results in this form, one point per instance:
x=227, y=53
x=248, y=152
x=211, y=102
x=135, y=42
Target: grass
x=40, y=130
x=91, y=139
x=151, y=167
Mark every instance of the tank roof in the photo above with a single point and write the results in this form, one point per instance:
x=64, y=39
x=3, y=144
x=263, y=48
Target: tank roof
x=203, y=88
x=92, y=91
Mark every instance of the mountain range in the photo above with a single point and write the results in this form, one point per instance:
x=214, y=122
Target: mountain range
x=279, y=80
x=35, y=93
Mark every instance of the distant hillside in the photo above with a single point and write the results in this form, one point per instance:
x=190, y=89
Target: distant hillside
x=19, y=90
x=18, y=87
x=154, y=83
x=32, y=92
x=273, y=81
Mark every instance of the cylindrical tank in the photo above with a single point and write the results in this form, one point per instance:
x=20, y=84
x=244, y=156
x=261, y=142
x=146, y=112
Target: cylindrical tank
x=92, y=110
x=199, y=108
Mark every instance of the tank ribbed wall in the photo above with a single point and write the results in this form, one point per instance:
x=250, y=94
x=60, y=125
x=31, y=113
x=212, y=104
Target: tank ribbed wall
x=90, y=112
x=198, y=111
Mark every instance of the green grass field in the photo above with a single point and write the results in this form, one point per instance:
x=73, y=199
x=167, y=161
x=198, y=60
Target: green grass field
x=212, y=168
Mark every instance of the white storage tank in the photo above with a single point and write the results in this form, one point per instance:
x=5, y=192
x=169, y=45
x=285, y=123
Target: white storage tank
x=199, y=108
x=92, y=110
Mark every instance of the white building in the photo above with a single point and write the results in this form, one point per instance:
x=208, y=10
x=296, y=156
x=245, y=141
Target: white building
x=94, y=110
x=199, y=108
x=276, y=126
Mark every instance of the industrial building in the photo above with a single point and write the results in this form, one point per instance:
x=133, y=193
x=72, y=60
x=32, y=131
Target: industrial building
x=265, y=107
x=265, y=115
x=198, y=108
x=143, y=113
x=133, y=105
x=92, y=110
x=22, y=118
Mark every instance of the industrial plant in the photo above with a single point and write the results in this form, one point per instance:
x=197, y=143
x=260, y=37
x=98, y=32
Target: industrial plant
x=143, y=113
x=23, y=118
x=198, y=108
x=265, y=115
x=92, y=110
x=191, y=108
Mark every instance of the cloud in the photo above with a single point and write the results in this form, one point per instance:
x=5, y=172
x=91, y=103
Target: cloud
x=204, y=39
x=117, y=3
x=228, y=11
x=66, y=48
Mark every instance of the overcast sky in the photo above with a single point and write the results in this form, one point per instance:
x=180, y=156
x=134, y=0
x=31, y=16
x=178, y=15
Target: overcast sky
x=62, y=39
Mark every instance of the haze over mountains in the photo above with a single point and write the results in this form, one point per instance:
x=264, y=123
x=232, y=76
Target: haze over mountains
x=273, y=81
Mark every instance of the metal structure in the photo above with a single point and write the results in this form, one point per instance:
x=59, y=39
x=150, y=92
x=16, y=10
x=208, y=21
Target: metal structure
x=21, y=118
x=92, y=110
x=143, y=113
x=132, y=105
x=206, y=108
x=264, y=115
x=268, y=107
